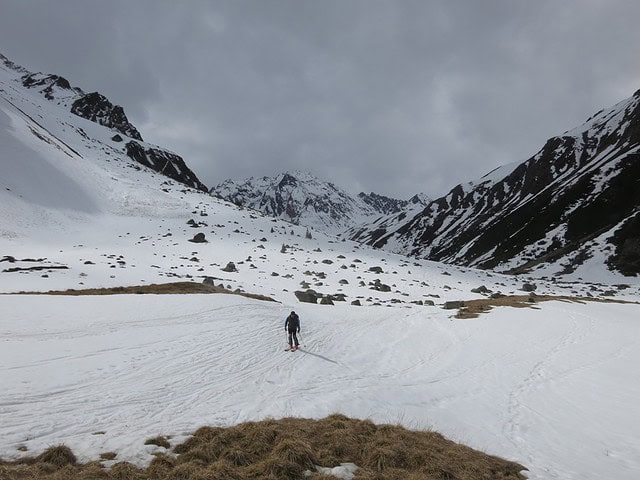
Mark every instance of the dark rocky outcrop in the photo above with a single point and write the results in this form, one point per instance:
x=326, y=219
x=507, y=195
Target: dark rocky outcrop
x=199, y=238
x=453, y=304
x=97, y=108
x=47, y=84
x=166, y=163
x=308, y=296
x=230, y=267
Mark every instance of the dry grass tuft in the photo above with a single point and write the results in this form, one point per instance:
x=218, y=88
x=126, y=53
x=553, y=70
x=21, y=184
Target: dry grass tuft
x=474, y=308
x=172, y=288
x=284, y=449
x=59, y=456
x=159, y=441
x=126, y=471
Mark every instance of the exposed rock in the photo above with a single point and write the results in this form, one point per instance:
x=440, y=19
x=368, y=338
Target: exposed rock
x=49, y=83
x=166, y=163
x=454, y=304
x=116, y=138
x=308, y=296
x=199, y=238
x=480, y=289
x=376, y=269
x=379, y=286
x=231, y=267
x=385, y=205
x=528, y=287
x=208, y=281
x=356, y=303
x=98, y=109
x=326, y=301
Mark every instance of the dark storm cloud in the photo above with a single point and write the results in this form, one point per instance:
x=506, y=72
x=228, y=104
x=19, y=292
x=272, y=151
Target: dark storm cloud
x=388, y=96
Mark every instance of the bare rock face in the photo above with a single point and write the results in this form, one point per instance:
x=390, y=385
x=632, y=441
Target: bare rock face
x=308, y=296
x=164, y=162
x=98, y=109
x=47, y=84
x=199, y=238
x=231, y=268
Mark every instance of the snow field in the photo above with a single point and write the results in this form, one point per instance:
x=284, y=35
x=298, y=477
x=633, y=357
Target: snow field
x=551, y=389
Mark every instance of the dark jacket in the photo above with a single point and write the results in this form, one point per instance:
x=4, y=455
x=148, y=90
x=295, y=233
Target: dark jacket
x=292, y=323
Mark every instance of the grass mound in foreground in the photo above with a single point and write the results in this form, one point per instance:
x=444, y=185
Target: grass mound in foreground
x=284, y=450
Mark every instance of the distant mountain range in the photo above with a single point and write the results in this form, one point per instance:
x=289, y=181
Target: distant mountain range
x=303, y=199
x=571, y=209
x=573, y=204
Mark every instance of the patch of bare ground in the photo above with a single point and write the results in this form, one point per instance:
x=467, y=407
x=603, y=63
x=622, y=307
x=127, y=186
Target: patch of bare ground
x=474, y=308
x=285, y=449
x=173, y=288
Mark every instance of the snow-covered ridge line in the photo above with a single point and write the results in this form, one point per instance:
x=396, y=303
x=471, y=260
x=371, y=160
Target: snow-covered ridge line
x=301, y=198
x=579, y=185
x=96, y=108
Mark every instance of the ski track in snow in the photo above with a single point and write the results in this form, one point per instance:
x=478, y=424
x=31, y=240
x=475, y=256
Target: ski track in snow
x=168, y=365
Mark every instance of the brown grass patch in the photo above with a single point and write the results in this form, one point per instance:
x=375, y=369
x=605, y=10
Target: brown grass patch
x=285, y=449
x=159, y=441
x=474, y=308
x=172, y=288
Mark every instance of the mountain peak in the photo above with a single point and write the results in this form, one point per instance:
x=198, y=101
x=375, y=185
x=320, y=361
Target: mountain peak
x=298, y=197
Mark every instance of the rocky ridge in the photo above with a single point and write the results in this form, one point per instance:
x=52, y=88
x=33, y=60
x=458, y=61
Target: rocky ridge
x=97, y=108
x=303, y=199
x=574, y=203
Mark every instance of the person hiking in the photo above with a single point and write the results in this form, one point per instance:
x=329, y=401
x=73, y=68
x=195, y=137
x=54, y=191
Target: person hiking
x=292, y=326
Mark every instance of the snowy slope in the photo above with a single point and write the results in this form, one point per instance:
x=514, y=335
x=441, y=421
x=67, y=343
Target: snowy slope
x=551, y=389
x=303, y=199
x=572, y=210
x=25, y=91
x=76, y=212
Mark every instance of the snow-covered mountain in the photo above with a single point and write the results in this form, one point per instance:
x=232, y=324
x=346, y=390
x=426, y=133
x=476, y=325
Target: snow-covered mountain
x=572, y=207
x=303, y=199
x=95, y=108
x=102, y=373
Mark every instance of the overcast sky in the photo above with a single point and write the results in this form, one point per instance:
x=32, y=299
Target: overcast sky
x=395, y=97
